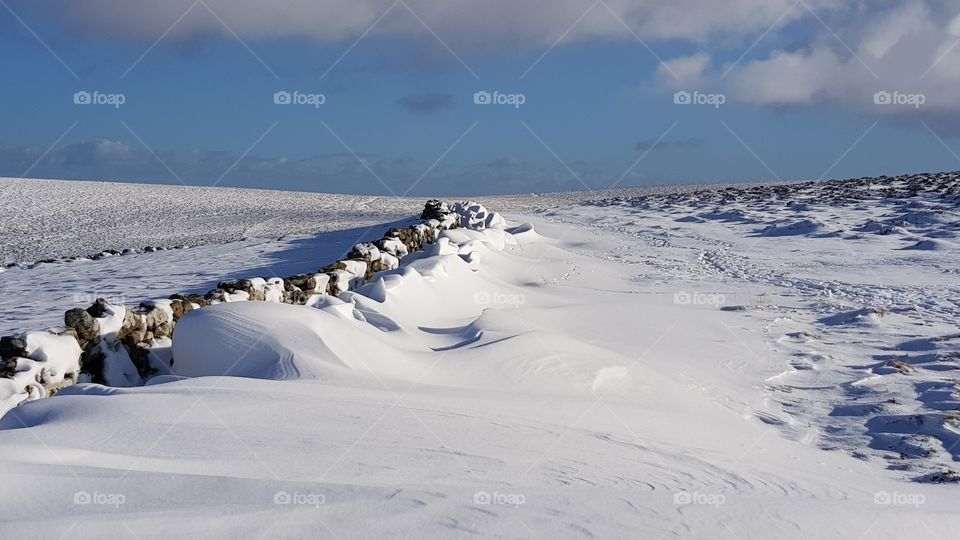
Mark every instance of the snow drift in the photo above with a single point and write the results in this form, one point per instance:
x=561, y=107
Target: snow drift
x=608, y=371
x=121, y=346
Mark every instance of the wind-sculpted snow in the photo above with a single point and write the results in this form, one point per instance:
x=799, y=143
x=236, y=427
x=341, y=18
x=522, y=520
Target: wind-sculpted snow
x=856, y=287
x=645, y=367
x=121, y=345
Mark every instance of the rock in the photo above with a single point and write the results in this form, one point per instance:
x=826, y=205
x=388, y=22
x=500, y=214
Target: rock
x=215, y=295
x=300, y=282
x=243, y=285
x=150, y=321
x=163, y=330
x=228, y=286
x=434, y=209
x=140, y=356
x=98, y=309
x=132, y=328
x=339, y=282
x=409, y=237
x=371, y=255
x=254, y=293
x=387, y=262
x=144, y=323
x=182, y=304
x=180, y=308
x=13, y=347
x=393, y=246
x=295, y=296
x=366, y=252
x=91, y=363
x=85, y=325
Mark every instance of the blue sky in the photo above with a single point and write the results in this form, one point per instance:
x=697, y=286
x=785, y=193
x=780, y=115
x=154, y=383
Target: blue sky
x=399, y=117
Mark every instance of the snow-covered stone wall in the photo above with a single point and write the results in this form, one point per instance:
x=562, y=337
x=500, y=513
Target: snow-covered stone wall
x=124, y=346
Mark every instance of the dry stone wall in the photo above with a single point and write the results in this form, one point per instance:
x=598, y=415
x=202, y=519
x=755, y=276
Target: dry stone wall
x=120, y=346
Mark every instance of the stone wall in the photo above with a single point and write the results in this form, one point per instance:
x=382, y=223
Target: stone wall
x=120, y=346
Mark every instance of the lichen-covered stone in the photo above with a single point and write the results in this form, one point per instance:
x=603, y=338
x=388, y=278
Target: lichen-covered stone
x=84, y=324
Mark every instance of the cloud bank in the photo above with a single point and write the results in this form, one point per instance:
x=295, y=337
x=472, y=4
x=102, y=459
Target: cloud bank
x=767, y=52
x=467, y=22
x=899, y=59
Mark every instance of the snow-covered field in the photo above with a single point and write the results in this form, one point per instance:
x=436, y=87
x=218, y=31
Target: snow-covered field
x=54, y=219
x=749, y=363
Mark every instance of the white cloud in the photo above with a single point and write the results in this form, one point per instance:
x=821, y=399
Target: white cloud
x=685, y=70
x=887, y=30
x=910, y=48
x=793, y=78
x=842, y=55
x=112, y=149
x=470, y=22
x=954, y=26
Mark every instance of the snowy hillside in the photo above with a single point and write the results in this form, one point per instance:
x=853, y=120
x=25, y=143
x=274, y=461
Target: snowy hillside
x=749, y=362
x=53, y=219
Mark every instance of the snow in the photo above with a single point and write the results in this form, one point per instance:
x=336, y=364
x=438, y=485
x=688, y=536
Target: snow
x=271, y=288
x=611, y=370
x=130, y=279
x=52, y=360
x=53, y=219
x=395, y=247
x=112, y=320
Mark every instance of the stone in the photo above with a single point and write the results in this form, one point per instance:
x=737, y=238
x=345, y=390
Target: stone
x=140, y=355
x=301, y=282
x=13, y=347
x=247, y=286
x=99, y=308
x=8, y=367
x=132, y=329
x=366, y=251
x=91, y=363
x=84, y=324
x=296, y=296
x=215, y=295
x=147, y=322
x=182, y=304
x=434, y=209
